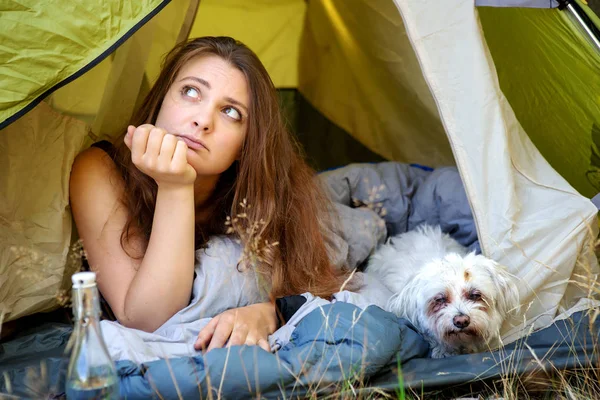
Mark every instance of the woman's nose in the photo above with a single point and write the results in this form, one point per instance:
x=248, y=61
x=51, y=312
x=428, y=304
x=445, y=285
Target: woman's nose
x=205, y=127
x=203, y=122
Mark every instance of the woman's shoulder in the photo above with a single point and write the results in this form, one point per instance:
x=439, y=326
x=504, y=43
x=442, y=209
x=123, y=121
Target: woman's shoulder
x=94, y=170
x=94, y=157
x=95, y=195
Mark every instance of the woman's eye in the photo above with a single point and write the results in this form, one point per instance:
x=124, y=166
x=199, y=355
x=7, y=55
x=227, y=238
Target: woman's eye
x=190, y=91
x=233, y=113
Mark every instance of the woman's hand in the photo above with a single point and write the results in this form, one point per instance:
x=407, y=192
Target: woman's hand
x=249, y=326
x=159, y=155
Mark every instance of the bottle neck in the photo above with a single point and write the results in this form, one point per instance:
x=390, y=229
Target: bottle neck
x=86, y=304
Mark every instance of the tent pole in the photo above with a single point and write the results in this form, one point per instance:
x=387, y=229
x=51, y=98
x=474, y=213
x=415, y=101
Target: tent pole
x=190, y=16
x=584, y=21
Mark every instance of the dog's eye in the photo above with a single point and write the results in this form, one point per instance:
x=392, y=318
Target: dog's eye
x=475, y=296
x=440, y=300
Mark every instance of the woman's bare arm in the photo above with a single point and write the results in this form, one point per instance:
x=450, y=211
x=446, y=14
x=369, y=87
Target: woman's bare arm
x=143, y=293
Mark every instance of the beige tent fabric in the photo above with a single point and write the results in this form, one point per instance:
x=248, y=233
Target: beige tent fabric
x=124, y=82
x=358, y=68
x=271, y=28
x=528, y=217
x=35, y=220
x=353, y=63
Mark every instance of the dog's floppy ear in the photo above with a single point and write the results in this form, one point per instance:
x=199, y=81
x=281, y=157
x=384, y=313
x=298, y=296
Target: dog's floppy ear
x=505, y=284
x=405, y=302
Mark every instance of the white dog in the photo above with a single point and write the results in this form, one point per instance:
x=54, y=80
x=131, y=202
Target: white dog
x=457, y=300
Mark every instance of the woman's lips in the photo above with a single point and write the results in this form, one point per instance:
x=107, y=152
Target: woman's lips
x=192, y=144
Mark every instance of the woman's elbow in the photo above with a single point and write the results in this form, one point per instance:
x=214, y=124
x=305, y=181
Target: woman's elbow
x=143, y=324
x=147, y=322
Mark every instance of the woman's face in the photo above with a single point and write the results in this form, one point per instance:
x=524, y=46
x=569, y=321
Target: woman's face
x=207, y=107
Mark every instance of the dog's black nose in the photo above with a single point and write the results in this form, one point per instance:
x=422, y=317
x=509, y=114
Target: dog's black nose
x=461, y=321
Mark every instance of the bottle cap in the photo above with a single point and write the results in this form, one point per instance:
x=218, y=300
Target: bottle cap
x=83, y=280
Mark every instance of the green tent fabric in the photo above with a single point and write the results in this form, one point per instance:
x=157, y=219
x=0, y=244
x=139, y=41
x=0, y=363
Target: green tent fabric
x=594, y=6
x=44, y=48
x=549, y=73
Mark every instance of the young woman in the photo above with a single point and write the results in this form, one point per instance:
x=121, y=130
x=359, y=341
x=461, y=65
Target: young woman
x=208, y=137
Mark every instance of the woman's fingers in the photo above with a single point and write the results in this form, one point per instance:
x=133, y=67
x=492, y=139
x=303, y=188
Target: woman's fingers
x=180, y=155
x=155, y=141
x=239, y=335
x=167, y=150
x=254, y=341
x=222, y=333
x=237, y=327
x=138, y=143
x=160, y=155
x=264, y=343
x=129, y=136
x=206, y=334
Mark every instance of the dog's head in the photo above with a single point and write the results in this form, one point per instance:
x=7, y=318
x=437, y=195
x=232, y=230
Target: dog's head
x=459, y=302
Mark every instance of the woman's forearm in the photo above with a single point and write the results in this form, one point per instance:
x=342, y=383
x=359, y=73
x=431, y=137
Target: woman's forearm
x=162, y=286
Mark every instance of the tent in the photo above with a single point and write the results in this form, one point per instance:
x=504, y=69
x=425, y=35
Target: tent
x=508, y=95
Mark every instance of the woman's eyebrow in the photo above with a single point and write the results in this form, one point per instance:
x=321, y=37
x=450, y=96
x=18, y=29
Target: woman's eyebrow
x=237, y=103
x=199, y=80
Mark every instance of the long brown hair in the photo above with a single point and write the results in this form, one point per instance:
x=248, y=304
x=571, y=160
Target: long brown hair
x=286, y=209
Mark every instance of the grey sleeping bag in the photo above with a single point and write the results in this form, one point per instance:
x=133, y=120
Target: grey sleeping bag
x=399, y=197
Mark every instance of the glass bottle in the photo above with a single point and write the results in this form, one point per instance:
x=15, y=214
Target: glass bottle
x=91, y=373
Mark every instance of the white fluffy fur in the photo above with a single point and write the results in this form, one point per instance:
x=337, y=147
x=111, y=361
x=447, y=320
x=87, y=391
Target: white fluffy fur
x=439, y=287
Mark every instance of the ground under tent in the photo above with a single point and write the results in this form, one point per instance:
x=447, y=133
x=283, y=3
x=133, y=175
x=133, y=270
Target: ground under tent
x=508, y=95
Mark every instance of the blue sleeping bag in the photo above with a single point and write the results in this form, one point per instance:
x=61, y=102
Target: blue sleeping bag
x=335, y=344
